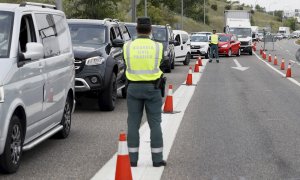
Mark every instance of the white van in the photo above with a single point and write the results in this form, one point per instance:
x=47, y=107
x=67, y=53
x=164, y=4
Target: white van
x=36, y=79
x=182, y=47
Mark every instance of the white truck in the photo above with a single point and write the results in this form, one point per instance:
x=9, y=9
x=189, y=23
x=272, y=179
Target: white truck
x=285, y=31
x=238, y=22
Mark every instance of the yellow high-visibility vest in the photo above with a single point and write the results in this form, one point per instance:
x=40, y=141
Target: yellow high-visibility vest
x=143, y=57
x=214, y=39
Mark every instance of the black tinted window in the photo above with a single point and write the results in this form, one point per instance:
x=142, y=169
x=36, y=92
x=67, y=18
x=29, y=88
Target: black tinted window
x=125, y=33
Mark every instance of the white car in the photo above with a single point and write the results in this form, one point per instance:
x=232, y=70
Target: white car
x=182, y=47
x=199, y=45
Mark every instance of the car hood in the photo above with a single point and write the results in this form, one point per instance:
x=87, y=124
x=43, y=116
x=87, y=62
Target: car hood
x=222, y=43
x=245, y=39
x=199, y=43
x=5, y=67
x=84, y=52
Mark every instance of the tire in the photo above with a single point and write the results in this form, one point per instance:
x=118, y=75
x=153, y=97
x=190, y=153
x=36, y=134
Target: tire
x=66, y=120
x=229, y=54
x=11, y=157
x=124, y=92
x=239, y=53
x=107, y=99
x=187, y=60
x=250, y=53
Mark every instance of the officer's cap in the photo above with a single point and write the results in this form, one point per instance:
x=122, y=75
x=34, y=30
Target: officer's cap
x=143, y=21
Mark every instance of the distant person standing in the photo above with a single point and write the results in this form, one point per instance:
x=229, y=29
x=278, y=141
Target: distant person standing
x=143, y=58
x=214, y=40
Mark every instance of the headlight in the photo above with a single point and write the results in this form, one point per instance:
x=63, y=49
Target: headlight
x=94, y=61
x=1, y=94
x=166, y=53
x=224, y=46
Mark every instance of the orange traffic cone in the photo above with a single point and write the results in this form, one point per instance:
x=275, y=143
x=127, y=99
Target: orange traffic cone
x=282, y=67
x=289, y=71
x=199, y=61
x=260, y=51
x=270, y=58
x=123, y=169
x=168, y=108
x=264, y=55
x=189, y=78
x=196, y=69
x=275, y=60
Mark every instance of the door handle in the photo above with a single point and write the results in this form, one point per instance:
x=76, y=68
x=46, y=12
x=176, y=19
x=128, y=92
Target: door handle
x=181, y=47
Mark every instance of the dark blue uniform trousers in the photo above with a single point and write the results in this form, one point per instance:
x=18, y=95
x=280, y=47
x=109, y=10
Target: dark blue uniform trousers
x=140, y=96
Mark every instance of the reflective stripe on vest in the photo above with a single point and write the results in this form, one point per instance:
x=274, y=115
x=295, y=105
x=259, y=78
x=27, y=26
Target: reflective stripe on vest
x=214, y=39
x=157, y=150
x=143, y=57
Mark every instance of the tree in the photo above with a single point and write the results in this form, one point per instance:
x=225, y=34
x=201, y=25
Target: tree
x=290, y=22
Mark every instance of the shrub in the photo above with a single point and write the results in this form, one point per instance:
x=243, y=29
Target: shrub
x=228, y=7
x=214, y=7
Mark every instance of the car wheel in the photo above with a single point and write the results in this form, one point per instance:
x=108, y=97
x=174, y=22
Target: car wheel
x=66, y=120
x=187, y=60
x=250, y=53
x=124, y=92
x=207, y=55
x=173, y=64
x=229, y=53
x=107, y=99
x=239, y=52
x=10, y=159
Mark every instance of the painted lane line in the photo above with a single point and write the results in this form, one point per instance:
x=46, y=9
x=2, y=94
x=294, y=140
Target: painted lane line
x=170, y=124
x=279, y=72
x=239, y=66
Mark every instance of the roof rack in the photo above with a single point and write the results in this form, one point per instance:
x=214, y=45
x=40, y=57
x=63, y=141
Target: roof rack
x=23, y=4
x=107, y=19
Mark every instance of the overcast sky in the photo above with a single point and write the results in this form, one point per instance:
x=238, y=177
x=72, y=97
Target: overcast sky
x=275, y=4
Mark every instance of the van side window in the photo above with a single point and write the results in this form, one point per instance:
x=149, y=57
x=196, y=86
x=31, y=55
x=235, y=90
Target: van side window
x=48, y=34
x=185, y=38
x=63, y=35
x=27, y=33
x=177, y=38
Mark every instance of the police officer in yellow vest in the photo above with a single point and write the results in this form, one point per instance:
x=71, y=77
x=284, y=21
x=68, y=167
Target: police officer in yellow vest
x=214, y=40
x=143, y=58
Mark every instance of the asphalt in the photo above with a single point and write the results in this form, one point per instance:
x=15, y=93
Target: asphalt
x=92, y=142
x=239, y=125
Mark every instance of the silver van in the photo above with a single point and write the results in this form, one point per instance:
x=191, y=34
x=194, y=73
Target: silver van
x=36, y=79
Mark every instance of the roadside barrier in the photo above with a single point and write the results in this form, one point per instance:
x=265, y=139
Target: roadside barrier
x=275, y=60
x=200, y=61
x=196, y=69
x=123, y=168
x=282, y=66
x=270, y=58
x=289, y=71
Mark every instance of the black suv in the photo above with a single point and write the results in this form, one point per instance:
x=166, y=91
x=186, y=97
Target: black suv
x=99, y=63
x=164, y=35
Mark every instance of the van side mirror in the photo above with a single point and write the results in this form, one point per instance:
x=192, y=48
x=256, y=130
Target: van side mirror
x=117, y=43
x=34, y=51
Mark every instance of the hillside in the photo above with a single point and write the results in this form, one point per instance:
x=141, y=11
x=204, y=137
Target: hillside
x=216, y=19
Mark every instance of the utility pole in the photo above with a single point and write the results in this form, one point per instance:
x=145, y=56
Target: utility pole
x=59, y=5
x=204, y=12
x=133, y=9
x=181, y=14
x=146, y=8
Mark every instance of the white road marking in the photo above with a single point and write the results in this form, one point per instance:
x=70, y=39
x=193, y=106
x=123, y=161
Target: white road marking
x=170, y=124
x=279, y=72
x=239, y=66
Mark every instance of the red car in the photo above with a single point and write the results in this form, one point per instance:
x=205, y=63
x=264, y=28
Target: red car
x=229, y=45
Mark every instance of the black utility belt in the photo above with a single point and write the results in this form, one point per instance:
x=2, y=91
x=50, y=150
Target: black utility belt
x=142, y=82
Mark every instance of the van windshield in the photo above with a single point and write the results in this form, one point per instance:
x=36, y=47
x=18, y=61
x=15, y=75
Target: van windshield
x=159, y=34
x=6, y=26
x=87, y=35
x=132, y=31
x=195, y=38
